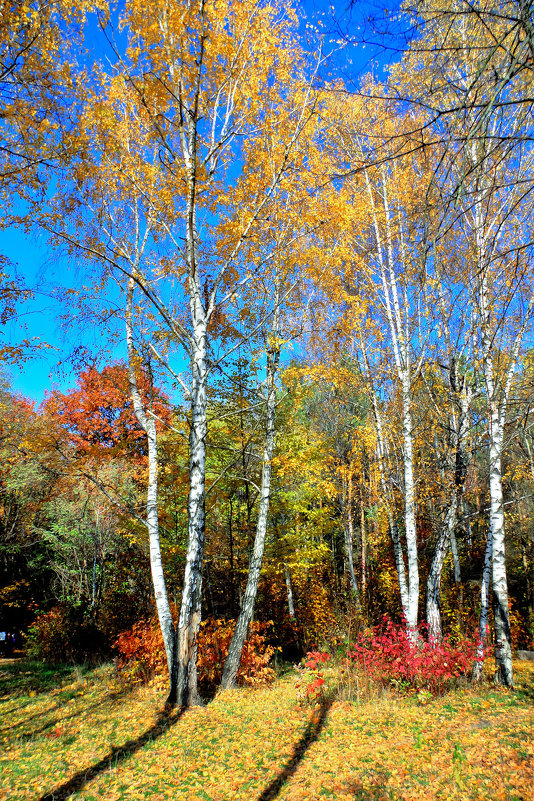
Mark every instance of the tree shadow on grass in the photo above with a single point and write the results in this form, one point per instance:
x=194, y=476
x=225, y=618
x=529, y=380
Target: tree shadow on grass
x=310, y=735
x=22, y=675
x=110, y=698
x=165, y=721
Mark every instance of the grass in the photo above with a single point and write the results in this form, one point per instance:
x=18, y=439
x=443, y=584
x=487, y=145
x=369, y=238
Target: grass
x=73, y=734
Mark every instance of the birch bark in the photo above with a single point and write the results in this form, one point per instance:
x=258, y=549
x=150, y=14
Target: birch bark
x=461, y=395
x=433, y=587
x=233, y=659
x=390, y=247
x=349, y=540
x=289, y=588
x=484, y=610
x=148, y=424
x=381, y=448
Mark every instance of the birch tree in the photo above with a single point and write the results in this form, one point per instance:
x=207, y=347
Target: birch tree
x=233, y=658
x=173, y=183
x=383, y=282
x=479, y=110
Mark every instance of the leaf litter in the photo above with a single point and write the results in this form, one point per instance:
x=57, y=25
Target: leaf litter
x=93, y=738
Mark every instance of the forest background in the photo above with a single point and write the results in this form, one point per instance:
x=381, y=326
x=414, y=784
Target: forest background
x=304, y=402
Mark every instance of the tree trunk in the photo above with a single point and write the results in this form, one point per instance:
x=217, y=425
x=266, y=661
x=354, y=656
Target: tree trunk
x=455, y=559
x=399, y=563
x=433, y=587
x=233, y=659
x=381, y=454
x=147, y=423
x=289, y=588
x=484, y=611
x=349, y=539
x=409, y=513
x=191, y=607
x=501, y=612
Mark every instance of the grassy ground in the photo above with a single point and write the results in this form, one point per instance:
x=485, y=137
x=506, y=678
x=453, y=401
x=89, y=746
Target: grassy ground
x=72, y=734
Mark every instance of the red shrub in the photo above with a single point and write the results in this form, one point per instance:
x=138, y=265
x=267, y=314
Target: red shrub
x=390, y=655
x=310, y=684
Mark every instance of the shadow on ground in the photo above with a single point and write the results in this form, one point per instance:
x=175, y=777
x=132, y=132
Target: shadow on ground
x=165, y=720
x=309, y=736
x=48, y=725
x=19, y=676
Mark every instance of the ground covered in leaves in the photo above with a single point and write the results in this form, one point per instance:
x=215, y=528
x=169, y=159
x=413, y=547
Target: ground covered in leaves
x=74, y=734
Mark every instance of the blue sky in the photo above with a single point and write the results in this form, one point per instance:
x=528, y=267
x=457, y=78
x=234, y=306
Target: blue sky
x=48, y=273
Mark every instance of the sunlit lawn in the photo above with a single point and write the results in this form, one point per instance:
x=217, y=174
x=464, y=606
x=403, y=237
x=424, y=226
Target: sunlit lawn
x=83, y=735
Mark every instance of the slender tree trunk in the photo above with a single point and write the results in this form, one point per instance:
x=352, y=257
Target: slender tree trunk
x=399, y=563
x=233, y=659
x=349, y=539
x=232, y=565
x=501, y=612
x=289, y=588
x=147, y=423
x=458, y=581
x=381, y=455
x=409, y=513
x=455, y=559
x=433, y=587
x=497, y=400
x=496, y=414
x=191, y=608
x=484, y=610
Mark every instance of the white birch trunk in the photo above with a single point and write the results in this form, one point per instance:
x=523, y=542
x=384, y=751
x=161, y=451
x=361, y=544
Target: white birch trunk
x=409, y=512
x=399, y=564
x=147, y=423
x=484, y=611
x=349, y=539
x=381, y=454
x=496, y=414
x=289, y=588
x=399, y=332
x=501, y=611
x=455, y=560
x=433, y=587
x=191, y=606
x=233, y=659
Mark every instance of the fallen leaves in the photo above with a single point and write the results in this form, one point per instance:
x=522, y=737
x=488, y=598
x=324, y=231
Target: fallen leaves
x=259, y=745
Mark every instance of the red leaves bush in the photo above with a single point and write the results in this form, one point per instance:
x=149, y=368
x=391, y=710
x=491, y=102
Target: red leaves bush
x=141, y=654
x=392, y=655
x=310, y=682
x=313, y=662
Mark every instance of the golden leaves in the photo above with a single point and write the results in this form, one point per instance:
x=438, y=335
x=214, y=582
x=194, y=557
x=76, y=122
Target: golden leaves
x=466, y=746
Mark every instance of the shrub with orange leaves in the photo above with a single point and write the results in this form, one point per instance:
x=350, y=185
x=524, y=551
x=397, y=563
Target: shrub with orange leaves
x=141, y=654
x=214, y=641
x=140, y=651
